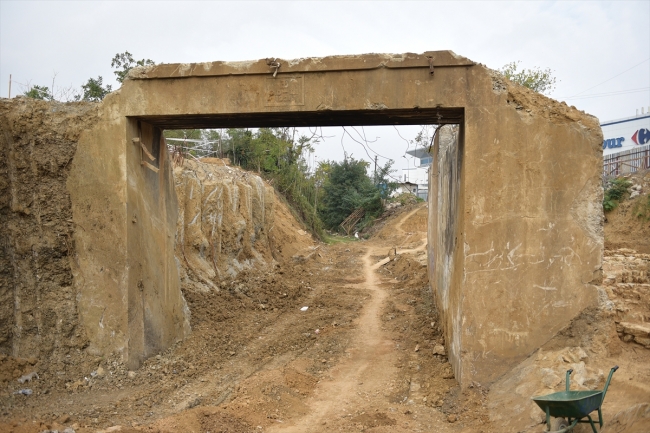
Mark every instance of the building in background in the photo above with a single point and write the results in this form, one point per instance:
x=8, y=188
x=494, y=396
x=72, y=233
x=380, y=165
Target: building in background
x=626, y=144
x=416, y=179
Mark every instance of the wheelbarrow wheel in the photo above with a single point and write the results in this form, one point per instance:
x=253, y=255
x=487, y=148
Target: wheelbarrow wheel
x=558, y=424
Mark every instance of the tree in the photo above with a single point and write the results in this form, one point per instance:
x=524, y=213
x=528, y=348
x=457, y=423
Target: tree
x=39, y=92
x=384, y=180
x=348, y=188
x=124, y=62
x=537, y=79
x=94, y=91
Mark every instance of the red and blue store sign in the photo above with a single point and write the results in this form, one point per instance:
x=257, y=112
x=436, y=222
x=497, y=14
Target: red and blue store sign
x=640, y=137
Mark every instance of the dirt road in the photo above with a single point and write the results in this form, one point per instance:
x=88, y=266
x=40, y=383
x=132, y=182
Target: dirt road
x=361, y=357
x=359, y=385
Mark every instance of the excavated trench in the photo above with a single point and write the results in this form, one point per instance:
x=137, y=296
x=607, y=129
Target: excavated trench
x=368, y=354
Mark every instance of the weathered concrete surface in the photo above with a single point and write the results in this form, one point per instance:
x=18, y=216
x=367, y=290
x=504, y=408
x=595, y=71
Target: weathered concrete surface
x=517, y=245
x=444, y=225
x=126, y=274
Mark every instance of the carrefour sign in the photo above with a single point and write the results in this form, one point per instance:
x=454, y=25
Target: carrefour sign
x=641, y=136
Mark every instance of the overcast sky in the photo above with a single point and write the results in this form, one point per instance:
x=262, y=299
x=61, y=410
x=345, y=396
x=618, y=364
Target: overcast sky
x=599, y=51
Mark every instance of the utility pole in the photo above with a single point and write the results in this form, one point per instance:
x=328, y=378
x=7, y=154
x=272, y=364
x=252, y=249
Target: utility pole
x=375, y=169
x=9, y=86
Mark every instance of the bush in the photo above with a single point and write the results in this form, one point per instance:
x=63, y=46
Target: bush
x=615, y=191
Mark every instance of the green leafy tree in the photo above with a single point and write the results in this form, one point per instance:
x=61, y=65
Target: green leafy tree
x=124, y=62
x=94, y=90
x=537, y=79
x=348, y=188
x=384, y=179
x=39, y=92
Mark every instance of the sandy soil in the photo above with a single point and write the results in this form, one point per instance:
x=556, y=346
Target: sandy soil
x=366, y=355
x=628, y=225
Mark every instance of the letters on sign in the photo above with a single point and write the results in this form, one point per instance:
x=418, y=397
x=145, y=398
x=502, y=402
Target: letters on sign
x=640, y=137
x=611, y=143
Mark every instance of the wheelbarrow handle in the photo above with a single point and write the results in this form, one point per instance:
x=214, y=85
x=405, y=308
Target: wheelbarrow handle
x=609, y=378
x=568, y=378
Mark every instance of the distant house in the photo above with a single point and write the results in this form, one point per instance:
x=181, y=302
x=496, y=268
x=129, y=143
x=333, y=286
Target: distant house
x=405, y=188
x=417, y=178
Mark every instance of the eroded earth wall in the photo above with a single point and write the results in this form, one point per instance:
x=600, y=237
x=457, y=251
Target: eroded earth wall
x=38, y=300
x=225, y=218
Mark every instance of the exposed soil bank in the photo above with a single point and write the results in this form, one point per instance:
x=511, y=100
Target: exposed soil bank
x=628, y=225
x=38, y=310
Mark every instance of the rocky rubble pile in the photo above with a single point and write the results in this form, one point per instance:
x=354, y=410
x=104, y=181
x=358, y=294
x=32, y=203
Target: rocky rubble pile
x=627, y=283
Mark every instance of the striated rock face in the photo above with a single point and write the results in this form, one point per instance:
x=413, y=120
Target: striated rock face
x=627, y=283
x=225, y=215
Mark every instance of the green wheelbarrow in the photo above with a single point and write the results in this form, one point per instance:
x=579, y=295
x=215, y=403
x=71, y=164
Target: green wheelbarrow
x=572, y=407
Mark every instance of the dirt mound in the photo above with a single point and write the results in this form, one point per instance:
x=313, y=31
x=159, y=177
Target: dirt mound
x=287, y=237
x=633, y=420
x=627, y=282
x=628, y=225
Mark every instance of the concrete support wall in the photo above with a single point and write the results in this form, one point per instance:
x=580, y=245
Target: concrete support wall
x=532, y=231
x=444, y=249
x=515, y=234
x=97, y=187
x=157, y=312
x=126, y=274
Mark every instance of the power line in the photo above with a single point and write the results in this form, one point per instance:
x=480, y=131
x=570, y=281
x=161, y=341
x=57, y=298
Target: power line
x=345, y=131
x=605, y=94
x=609, y=79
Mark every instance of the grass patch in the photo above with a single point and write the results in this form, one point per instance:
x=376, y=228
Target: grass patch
x=333, y=238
